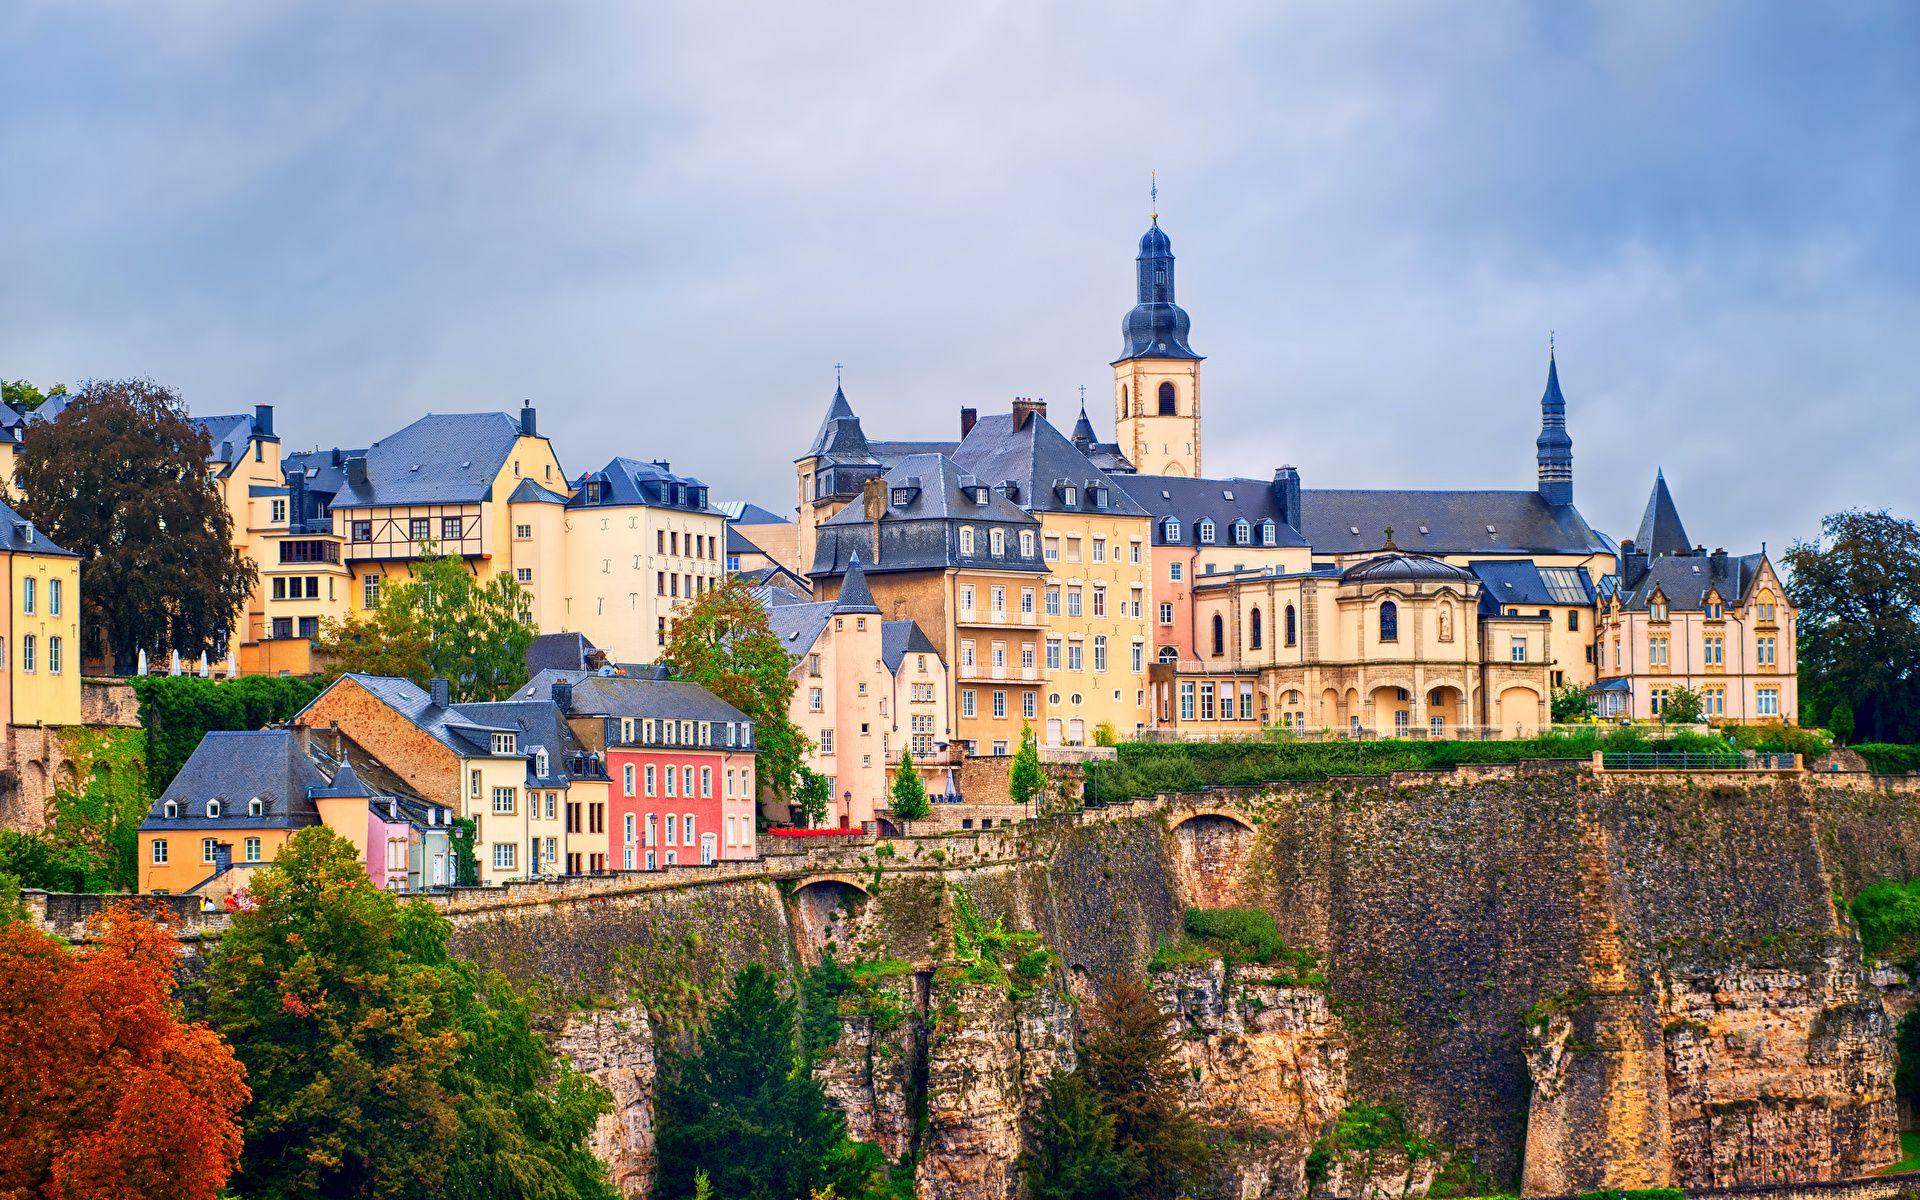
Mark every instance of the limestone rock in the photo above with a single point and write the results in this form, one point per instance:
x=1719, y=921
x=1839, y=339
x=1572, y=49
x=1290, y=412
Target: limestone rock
x=616, y=1048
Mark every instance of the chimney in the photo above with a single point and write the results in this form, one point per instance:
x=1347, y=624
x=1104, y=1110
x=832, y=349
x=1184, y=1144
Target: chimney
x=263, y=420
x=357, y=471
x=441, y=691
x=1286, y=494
x=1719, y=560
x=528, y=427
x=1025, y=408
x=1632, y=565
x=563, y=695
x=967, y=417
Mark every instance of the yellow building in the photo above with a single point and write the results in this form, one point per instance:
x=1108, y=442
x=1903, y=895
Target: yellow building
x=40, y=634
x=639, y=543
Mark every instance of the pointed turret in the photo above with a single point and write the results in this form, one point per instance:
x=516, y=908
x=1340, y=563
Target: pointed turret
x=855, y=596
x=840, y=438
x=1554, y=447
x=1661, y=532
x=1083, y=435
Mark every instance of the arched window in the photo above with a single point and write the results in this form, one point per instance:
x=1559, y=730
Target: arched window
x=1169, y=654
x=1389, y=621
x=1169, y=401
x=256, y=807
x=1123, y=399
x=1219, y=635
x=1254, y=632
x=213, y=808
x=966, y=540
x=1291, y=624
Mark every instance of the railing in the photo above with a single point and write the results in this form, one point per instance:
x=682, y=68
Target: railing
x=1688, y=760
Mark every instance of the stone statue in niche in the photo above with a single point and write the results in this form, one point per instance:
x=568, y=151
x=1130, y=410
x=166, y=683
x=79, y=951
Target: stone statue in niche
x=1446, y=622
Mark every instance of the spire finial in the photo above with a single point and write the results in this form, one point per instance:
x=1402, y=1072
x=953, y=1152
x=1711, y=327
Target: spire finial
x=1389, y=545
x=1549, y=343
x=1083, y=397
x=836, y=375
x=1155, y=192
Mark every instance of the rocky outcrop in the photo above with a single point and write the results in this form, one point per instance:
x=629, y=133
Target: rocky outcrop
x=874, y=1074
x=615, y=1047
x=1267, y=1071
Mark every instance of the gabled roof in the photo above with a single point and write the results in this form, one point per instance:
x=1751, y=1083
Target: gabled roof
x=459, y=733
x=1224, y=501
x=627, y=696
x=1661, y=532
x=1343, y=520
x=1685, y=579
x=540, y=725
x=1041, y=460
x=442, y=458
x=927, y=496
x=1521, y=581
x=529, y=492
x=737, y=542
x=773, y=575
x=901, y=638
x=230, y=435
x=799, y=626
x=22, y=536
x=567, y=651
x=746, y=512
x=629, y=482
x=235, y=767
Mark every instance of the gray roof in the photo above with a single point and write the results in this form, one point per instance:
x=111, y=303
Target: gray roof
x=746, y=512
x=631, y=483
x=1398, y=566
x=1684, y=579
x=771, y=575
x=568, y=651
x=890, y=453
x=529, y=492
x=230, y=435
x=1223, y=501
x=737, y=542
x=1521, y=581
x=1343, y=520
x=24, y=537
x=442, y=458
x=901, y=638
x=855, y=596
x=840, y=437
x=928, y=498
x=798, y=626
x=1041, y=461
x=235, y=767
x=626, y=696
x=540, y=725
x=462, y=734
x=1660, y=529
x=1105, y=455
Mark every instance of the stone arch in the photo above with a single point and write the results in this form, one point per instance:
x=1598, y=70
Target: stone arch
x=825, y=911
x=1169, y=400
x=1211, y=849
x=1518, y=710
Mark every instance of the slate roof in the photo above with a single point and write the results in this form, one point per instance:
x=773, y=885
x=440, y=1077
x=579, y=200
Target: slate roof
x=1398, y=566
x=1105, y=455
x=1660, y=529
x=22, y=536
x=325, y=471
x=235, y=767
x=890, y=453
x=737, y=542
x=1684, y=579
x=840, y=435
x=1523, y=582
x=442, y=458
x=462, y=734
x=855, y=596
x=901, y=638
x=529, y=492
x=1224, y=501
x=540, y=725
x=1342, y=520
x=626, y=696
x=230, y=434
x=799, y=626
x=629, y=482
x=772, y=575
x=567, y=651
x=1040, y=459
x=921, y=533
x=746, y=512
x=1156, y=327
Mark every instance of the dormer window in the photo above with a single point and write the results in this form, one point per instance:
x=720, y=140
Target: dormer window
x=902, y=497
x=626, y=729
x=1206, y=531
x=966, y=541
x=1026, y=543
x=540, y=762
x=593, y=491
x=213, y=808
x=170, y=809
x=256, y=807
x=1070, y=496
x=1242, y=532
x=1171, y=530
x=1266, y=532
x=982, y=494
x=997, y=542
x=1657, y=608
x=503, y=743
x=1099, y=495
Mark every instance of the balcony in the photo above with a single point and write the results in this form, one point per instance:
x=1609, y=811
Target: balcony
x=314, y=550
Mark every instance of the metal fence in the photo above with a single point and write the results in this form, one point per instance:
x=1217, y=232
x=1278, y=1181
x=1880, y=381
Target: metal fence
x=1636, y=760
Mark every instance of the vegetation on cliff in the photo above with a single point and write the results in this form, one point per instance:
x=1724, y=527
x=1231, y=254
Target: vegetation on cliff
x=92, y=835
x=1888, y=914
x=1073, y=1155
x=1130, y=1064
x=1237, y=936
x=993, y=954
x=110, y=1092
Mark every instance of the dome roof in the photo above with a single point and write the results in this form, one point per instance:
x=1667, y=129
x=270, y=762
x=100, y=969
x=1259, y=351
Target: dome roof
x=1154, y=242
x=1400, y=567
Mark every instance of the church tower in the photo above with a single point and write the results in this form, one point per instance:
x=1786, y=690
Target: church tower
x=1156, y=379
x=1553, y=449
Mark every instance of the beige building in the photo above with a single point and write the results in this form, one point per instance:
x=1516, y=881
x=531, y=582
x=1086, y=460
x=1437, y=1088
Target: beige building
x=1156, y=379
x=1675, y=616
x=40, y=631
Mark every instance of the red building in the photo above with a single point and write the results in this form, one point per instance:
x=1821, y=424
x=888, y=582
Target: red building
x=680, y=763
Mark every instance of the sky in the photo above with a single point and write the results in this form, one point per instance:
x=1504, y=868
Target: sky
x=665, y=223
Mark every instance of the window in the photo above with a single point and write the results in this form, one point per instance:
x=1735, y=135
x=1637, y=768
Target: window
x=1267, y=532
x=171, y=809
x=1175, y=571
x=816, y=700
x=1070, y=496
x=1658, y=608
x=420, y=529
x=1715, y=649
x=673, y=829
x=1169, y=401
x=213, y=808
x=1100, y=653
x=53, y=655
x=1073, y=602
x=449, y=529
x=826, y=741
x=626, y=778
x=1170, y=532
x=1242, y=532
x=1714, y=702
x=1053, y=549
x=53, y=597
x=670, y=781
x=1053, y=601
x=966, y=541
x=1389, y=621
x=209, y=849
x=503, y=799
x=651, y=777
x=256, y=807
x=1246, y=702
x=1768, y=702
x=1292, y=630
x=1657, y=651
x=369, y=591
x=523, y=574
x=999, y=705
x=1099, y=601
x=1074, y=656
x=1029, y=705
x=1139, y=657
x=473, y=785
x=1763, y=612
x=1254, y=632
x=159, y=852
x=1764, y=650
x=250, y=849
x=363, y=531
x=1573, y=618
x=997, y=600
x=523, y=532
x=1026, y=543
x=966, y=598
x=503, y=743
x=706, y=789
x=26, y=594
x=1206, y=701
x=997, y=542
x=1186, y=701
x=26, y=652
x=1219, y=635
x=1099, y=549
x=1166, y=614
x=1518, y=651
x=968, y=703
x=1026, y=607
x=1053, y=654
x=1133, y=551
x=505, y=855
x=1206, y=531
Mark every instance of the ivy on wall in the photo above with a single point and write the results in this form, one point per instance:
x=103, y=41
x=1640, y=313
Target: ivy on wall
x=176, y=711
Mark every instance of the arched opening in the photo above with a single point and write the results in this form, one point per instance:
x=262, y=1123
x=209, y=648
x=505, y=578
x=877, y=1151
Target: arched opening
x=1391, y=711
x=1219, y=635
x=1293, y=627
x=1389, y=621
x=825, y=913
x=1254, y=632
x=1211, y=851
x=1519, y=712
x=1446, y=711
x=1169, y=401
x=1123, y=399
x=1169, y=654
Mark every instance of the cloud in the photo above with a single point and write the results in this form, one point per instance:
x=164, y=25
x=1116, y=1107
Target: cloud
x=664, y=223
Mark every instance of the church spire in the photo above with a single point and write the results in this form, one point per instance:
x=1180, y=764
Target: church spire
x=1554, y=447
x=1156, y=327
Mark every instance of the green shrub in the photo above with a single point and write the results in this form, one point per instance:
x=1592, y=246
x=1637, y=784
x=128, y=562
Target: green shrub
x=178, y=710
x=1237, y=935
x=1888, y=914
x=1886, y=758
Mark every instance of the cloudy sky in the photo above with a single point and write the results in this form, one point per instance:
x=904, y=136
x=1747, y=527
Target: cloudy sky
x=665, y=224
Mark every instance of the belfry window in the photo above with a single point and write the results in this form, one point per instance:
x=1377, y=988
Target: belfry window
x=1291, y=626
x=1169, y=401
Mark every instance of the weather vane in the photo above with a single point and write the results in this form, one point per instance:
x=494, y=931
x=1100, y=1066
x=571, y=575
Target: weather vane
x=836, y=375
x=1155, y=191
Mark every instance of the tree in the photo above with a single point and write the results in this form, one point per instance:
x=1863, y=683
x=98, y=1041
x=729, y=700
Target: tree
x=22, y=396
x=1073, y=1156
x=442, y=623
x=1128, y=1056
x=120, y=478
x=908, y=801
x=1840, y=722
x=1024, y=778
x=1571, y=703
x=109, y=1092
x=1683, y=706
x=721, y=641
x=813, y=794
x=745, y=1109
x=1857, y=589
x=340, y=1033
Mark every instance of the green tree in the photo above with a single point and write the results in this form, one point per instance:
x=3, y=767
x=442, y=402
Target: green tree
x=721, y=641
x=744, y=1109
x=1073, y=1156
x=1840, y=722
x=812, y=794
x=1128, y=1056
x=1857, y=589
x=347, y=1043
x=443, y=622
x=1024, y=778
x=1570, y=704
x=22, y=396
x=1683, y=706
x=908, y=801
x=120, y=478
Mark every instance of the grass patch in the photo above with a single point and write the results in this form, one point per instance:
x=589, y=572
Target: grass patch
x=1240, y=936
x=1909, y=1155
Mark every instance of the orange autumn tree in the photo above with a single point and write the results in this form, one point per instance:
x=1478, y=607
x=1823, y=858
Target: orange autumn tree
x=109, y=1092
